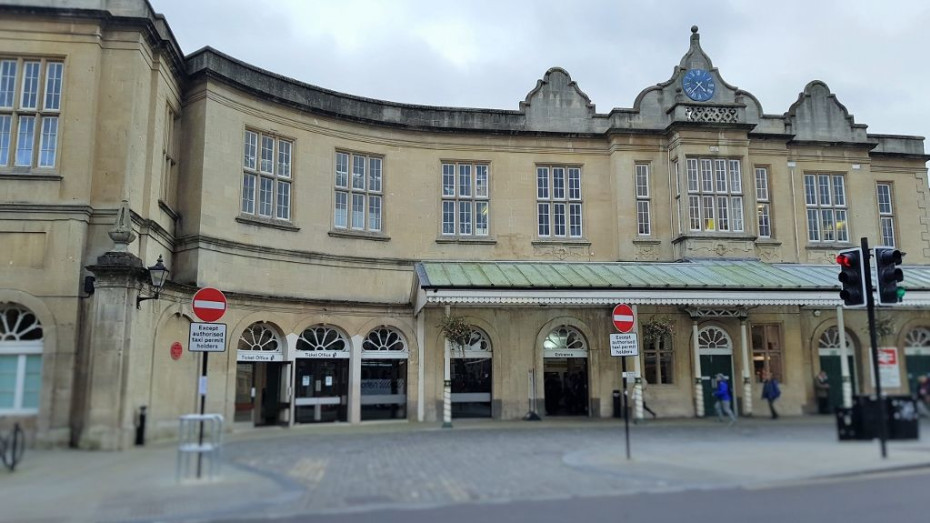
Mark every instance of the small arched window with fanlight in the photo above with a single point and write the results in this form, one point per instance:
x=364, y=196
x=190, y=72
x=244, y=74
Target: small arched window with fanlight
x=21, y=343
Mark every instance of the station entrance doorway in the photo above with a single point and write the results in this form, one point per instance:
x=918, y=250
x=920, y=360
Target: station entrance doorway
x=565, y=372
x=262, y=393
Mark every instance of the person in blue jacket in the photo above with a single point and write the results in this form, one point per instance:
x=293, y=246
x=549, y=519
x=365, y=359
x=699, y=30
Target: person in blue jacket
x=722, y=405
x=771, y=392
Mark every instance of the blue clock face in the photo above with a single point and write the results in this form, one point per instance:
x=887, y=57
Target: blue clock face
x=698, y=85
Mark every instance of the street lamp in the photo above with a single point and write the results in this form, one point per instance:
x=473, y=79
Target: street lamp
x=158, y=274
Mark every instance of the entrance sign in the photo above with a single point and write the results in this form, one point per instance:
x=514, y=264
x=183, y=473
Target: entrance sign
x=209, y=304
x=624, y=345
x=623, y=318
x=207, y=337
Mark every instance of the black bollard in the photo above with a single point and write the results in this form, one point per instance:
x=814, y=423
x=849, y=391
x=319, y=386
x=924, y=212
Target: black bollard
x=140, y=427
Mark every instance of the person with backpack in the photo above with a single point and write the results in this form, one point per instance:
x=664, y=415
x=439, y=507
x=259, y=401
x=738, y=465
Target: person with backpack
x=771, y=392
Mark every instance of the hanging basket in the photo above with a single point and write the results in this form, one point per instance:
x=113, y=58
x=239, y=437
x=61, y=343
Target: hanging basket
x=456, y=330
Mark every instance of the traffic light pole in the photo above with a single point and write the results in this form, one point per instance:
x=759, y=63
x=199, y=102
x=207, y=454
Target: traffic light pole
x=870, y=303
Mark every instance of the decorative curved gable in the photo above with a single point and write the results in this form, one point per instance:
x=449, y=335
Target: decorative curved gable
x=556, y=103
x=818, y=116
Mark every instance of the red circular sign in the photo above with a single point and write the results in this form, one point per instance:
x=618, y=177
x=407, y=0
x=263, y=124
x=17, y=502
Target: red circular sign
x=623, y=318
x=209, y=304
x=176, y=350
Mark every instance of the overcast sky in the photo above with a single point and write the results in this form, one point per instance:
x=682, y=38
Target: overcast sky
x=489, y=53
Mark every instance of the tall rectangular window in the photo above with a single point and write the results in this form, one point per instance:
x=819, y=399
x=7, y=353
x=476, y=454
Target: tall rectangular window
x=359, y=195
x=658, y=360
x=715, y=195
x=643, y=216
x=465, y=199
x=885, y=214
x=558, y=202
x=30, y=103
x=767, y=352
x=763, y=203
x=825, y=200
x=267, y=168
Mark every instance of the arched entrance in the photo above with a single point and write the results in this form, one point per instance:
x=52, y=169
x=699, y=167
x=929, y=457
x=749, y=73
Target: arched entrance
x=716, y=350
x=321, y=375
x=20, y=360
x=384, y=375
x=261, y=383
x=917, y=355
x=470, y=372
x=565, y=372
x=828, y=349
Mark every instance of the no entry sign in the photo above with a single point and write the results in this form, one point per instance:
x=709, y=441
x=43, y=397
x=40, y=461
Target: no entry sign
x=209, y=304
x=623, y=318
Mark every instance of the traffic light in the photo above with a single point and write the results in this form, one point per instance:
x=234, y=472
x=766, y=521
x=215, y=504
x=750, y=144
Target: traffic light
x=852, y=277
x=887, y=260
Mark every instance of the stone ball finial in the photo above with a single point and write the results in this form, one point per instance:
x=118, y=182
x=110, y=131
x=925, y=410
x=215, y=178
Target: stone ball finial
x=694, y=29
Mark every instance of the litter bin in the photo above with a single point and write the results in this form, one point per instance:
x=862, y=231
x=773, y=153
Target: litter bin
x=902, y=418
x=618, y=404
x=846, y=429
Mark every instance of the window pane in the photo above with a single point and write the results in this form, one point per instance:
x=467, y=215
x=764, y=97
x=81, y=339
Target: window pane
x=723, y=216
x=823, y=189
x=765, y=230
x=465, y=180
x=32, y=381
x=481, y=181
x=448, y=217
x=542, y=217
x=448, y=179
x=374, y=213
x=828, y=230
x=558, y=219
x=707, y=176
x=542, y=183
x=248, y=194
x=574, y=184
x=24, y=143
x=9, y=365
x=694, y=212
x=842, y=231
x=558, y=183
x=887, y=224
x=736, y=213
x=6, y=123
x=358, y=211
x=342, y=169
x=720, y=175
x=884, y=198
x=30, y=94
x=267, y=163
x=284, y=201
x=358, y=172
x=465, y=218
x=642, y=181
x=481, y=218
x=284, y=159
x=49, y=142
x=574, y=220
x=839, y=192
x=265, y=196
x=342, y=210
x=810, y=190
x=693, y=176
x=7, y=82
x=813, y=226
x=642, y=217
x=250, y=150
x=374, y=174
x=762, y=185
x=736, y=178
x=53, y=86
x=709, y=223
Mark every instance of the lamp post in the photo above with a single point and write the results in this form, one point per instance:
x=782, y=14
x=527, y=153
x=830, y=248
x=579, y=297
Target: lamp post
x=158, y=273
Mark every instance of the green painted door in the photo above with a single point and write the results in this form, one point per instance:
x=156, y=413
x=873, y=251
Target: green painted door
x=711, y=365
x=831, y=365
x=916, y=366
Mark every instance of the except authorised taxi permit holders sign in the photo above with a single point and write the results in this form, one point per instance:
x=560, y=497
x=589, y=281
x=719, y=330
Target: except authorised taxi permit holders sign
x=624, y=344
x=207, y=337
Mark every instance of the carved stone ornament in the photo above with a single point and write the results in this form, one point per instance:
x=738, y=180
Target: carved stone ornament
x=122, y=234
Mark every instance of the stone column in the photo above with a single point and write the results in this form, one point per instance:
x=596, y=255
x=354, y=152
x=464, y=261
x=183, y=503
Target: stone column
x=106, y=421
x=698, y=387
x=747, y=381
x=355, y=379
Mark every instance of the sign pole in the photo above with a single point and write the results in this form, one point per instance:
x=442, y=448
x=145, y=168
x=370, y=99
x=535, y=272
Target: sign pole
x=873, y=338
x=203, y=400
x=626, y=409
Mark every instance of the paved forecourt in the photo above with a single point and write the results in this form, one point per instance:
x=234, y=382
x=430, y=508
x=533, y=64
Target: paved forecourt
x=335, y=468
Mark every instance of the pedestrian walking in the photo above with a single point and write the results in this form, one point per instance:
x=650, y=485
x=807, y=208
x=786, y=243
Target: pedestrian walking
x=923, y=396
x=642, y=389
x=771, y=392
x=722, y=405
x=822, y=390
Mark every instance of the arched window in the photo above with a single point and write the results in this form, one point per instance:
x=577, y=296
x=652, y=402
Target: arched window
x=565, y=338
x=471, y=373
x=830, y=341
x=712, y=340
x=384, y=339
x=384, y=374
x=259, y=336
x=320, y=337
x=20, y=360
x=919, y=337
